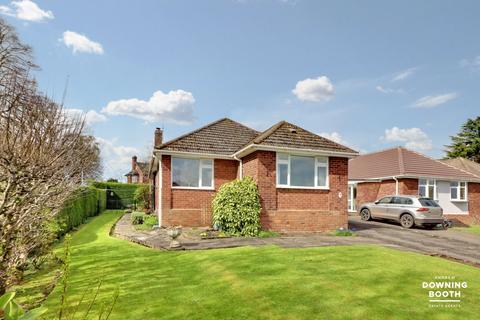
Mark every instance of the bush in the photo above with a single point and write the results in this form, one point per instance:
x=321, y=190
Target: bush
x=84, y=203
x=236, y=208
x=142, y=196
x=138, y=217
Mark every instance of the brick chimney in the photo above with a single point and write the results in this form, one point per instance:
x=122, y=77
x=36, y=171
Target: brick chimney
x=134, y=162
x=157, y=142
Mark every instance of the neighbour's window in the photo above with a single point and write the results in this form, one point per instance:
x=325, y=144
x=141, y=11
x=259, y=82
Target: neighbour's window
x=134, y=178
x=385, y=200
x=302, y=171
x=458, y=191
x=427, y=188
x=192, y=173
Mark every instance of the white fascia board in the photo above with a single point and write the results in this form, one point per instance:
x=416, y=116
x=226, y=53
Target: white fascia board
x=193, y=154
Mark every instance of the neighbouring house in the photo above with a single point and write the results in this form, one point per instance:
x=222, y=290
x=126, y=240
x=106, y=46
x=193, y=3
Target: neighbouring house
x=139, y=172
x=302, y=178
x=402, y=171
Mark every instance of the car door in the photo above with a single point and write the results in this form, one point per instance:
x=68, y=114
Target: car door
x=398, y=206
x=380, y=208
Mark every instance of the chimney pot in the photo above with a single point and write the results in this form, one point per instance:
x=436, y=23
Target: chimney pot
x=158, y=139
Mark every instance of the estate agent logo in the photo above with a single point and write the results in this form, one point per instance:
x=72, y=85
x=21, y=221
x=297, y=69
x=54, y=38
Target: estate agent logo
x=445, y=291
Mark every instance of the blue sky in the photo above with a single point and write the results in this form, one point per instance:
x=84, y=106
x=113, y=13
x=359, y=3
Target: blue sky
x=369, y=74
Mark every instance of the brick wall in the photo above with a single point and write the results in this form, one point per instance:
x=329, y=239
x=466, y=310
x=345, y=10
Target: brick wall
x=372, y=191
x=190, y=207
x=290, y=210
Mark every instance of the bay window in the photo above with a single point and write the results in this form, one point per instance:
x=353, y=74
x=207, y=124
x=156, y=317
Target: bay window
x=192, y=173
x=458, y=191
x=301, y=171
x=427, y=188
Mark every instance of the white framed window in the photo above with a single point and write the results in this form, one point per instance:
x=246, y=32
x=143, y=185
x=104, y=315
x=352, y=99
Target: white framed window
x=294, y=171
x=134, y=178
x=427, y=188
x=458, y=191
x=192, y=173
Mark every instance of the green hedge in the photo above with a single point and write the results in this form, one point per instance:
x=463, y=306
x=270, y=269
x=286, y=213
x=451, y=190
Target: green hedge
x=123, y=193
x=84, y=203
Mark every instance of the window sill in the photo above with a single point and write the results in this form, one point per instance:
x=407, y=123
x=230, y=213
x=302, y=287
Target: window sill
x=305, y=188
x=456, y=200
x=193, y=188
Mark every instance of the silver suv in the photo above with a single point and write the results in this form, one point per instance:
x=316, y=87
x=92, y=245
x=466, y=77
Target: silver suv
x=408, y=210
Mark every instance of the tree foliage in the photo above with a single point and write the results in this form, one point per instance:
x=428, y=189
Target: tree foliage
x=44, y=155
x=236, y=207
x=466, y=143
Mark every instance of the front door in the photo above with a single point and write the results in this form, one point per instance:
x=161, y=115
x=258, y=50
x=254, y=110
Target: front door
x=352, y=197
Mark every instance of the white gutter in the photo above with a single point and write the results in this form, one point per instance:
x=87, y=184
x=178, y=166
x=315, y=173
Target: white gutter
x=194, y=154
x=255, y=147
x=416, y=177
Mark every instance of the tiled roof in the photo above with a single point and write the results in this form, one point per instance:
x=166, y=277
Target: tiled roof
x=225, y=137
x=401, y=162
x=284, y=134
x=222, y=137
x=464, y=164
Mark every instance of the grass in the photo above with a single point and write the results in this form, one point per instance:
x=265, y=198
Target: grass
x=474, y=229
x=350, y=282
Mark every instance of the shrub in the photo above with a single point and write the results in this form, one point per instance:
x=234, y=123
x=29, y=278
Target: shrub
x=142, y=196
x=236, y=207
x=138, y=217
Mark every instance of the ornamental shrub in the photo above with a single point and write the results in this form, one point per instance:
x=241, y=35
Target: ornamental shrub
x=138, y=217
x=236, y=208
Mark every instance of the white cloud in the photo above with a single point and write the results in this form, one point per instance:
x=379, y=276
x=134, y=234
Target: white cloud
x=413, y=138
x=433, y=101
x=175, y=106
x=26, y=10
x=404, y=74
x=116, y=158
x=91, y=116
x=314, y=90
x=473, y=64
x=388, y=90
x=80, y=43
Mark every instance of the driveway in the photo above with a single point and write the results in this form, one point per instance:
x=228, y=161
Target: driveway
x=446, y=243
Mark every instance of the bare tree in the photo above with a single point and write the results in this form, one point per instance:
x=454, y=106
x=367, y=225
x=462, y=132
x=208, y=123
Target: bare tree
x=44, y=154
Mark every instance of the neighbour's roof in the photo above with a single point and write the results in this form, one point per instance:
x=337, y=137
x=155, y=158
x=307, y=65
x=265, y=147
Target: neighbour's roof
x=142, y=165
x=400, y=161
x=464, y=164
x=287, y=135
x=223, y=137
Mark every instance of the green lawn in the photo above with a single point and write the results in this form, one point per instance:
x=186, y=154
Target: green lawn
x=354, y=282
x=474, y=228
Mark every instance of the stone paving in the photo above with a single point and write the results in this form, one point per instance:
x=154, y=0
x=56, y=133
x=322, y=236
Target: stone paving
x=159, y=239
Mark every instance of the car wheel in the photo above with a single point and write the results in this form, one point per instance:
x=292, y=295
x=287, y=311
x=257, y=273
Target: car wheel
x=365, y=215
x=407, y=221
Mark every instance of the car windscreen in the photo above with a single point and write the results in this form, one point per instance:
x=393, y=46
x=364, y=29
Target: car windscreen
x=428, y=202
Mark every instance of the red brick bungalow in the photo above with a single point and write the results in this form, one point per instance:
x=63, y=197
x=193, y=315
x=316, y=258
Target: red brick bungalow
x=402, y=171
x=302, y=178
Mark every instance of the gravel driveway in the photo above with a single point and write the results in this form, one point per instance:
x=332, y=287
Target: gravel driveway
x=447, y=243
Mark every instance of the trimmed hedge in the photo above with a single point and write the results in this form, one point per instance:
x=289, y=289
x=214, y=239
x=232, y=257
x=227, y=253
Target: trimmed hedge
x=236, y=207
x=122, y=193
x=84, y=203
